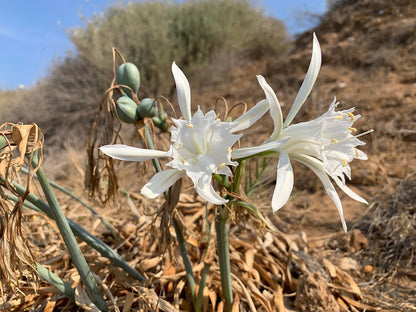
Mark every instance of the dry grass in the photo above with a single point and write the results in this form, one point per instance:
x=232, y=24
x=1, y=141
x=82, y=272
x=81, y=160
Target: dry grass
x=265, y=265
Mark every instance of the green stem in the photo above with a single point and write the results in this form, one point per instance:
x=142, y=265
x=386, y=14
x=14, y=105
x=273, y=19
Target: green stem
x=35, y=203
x=204, y=275
x=150, y=145
x=67, y=192
x=186, y=260
x=56, y=281
x=238, y=177
x=224, y=256
x=73, y=248
x=221, y=227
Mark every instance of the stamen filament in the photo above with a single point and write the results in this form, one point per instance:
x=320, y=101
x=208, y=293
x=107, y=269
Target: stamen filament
x=364, y=133
x=358, y=135
x=221, y=166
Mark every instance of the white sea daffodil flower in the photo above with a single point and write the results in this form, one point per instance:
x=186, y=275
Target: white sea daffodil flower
x=326, y=144
x=201, y=145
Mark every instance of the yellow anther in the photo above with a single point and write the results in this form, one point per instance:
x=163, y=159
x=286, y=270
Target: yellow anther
x=228, y=149
x=351, y=116
x=335, y=141
x=352, y=129
x=221, y=166
x=356, y=152
x=344, y=162
x=340, y=116
x=183, y=160
x=180, y=145
x=189, y=125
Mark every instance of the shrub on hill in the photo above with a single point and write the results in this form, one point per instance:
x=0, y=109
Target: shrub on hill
x=151, y=35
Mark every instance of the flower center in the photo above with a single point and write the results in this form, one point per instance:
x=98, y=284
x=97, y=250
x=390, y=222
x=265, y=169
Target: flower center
x=202, y=144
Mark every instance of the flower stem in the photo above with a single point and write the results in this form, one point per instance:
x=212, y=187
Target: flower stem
x=71, y=243
x=239, y=173
x=224, y=256
x=186, y=260
x=204, y=275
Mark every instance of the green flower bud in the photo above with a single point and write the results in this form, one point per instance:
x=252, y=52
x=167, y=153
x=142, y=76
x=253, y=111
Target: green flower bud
x=127, y=74
x=3, y=142
x=163, y=115
x=160, y=123
x=127, y=109
x=157, y=122
x=147, y=108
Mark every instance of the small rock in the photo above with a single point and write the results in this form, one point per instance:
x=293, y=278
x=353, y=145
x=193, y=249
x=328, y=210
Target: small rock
x=368, y=269
x=313, y=295
x=342, y=85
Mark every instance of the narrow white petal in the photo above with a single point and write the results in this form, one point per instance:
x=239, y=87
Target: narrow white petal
x=317, y=167
x=265, y=147
x=308, y=83
x=183, y=90
x=249, y=118
x=275, y=110
x=207, y=192
x=160, y=182
x=348, y=191
x=284, y=182
x=129, y=153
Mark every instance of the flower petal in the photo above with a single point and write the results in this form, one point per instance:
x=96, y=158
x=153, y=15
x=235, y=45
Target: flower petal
x=265, y=147
x=284, y=182
x=249, y=118
x=160, y=182
x=348, y=191
x=308, y=83
x=129, y=153
x=317, y=167
x=204, y=188
x=275, y=110
x=183, y=90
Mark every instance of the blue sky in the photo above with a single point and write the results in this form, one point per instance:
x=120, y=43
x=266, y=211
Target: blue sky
x=32, y=33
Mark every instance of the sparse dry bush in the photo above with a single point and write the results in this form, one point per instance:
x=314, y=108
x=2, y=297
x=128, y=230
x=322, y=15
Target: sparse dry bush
x=195, y=34
x=153, y=34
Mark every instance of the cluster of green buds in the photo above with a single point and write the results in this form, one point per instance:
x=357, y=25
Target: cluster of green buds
x=128, y=111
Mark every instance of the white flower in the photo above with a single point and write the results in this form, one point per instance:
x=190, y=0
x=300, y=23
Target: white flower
x=326, y=145
x=201, y=146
